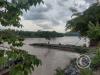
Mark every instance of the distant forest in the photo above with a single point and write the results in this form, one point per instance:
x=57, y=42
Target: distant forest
x=39, y=34
x=44, y=34
x=72, y=34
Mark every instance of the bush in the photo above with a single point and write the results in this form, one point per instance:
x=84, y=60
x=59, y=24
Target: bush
x=81, y=49
x=59, y=71
x=94, y=31
x=86, y=72
x=18, y=61
x=94, y=34
x=96, y=60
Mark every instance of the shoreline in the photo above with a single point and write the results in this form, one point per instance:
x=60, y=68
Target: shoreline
x=71, y=48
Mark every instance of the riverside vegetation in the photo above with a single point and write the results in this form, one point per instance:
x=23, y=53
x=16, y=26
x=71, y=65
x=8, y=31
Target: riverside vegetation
x=88, y=24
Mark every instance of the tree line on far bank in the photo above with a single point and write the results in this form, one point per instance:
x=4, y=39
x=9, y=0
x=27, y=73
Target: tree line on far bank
x=44, y=34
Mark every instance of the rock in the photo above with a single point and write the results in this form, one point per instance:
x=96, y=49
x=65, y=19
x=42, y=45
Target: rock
x=72, y=70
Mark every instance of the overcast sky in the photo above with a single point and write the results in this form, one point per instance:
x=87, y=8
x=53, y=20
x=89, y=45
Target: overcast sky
x=52, y=15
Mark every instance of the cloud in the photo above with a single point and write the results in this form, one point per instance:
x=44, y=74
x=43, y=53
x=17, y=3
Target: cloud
x=90, y=1
x=44, y=26
x=37, y=13
x=54, y=13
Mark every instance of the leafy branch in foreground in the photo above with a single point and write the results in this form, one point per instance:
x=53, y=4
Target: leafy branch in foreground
x=10, y=37
x=10, y=12
x=18, y=61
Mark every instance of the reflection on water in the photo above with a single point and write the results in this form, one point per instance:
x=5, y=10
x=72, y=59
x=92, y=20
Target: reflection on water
x=51, y=58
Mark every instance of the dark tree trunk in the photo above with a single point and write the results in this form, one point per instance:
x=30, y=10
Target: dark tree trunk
x=94, y=43
x=6, y=73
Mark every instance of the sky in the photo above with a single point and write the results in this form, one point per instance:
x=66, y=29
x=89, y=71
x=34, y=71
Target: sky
x=52, y=15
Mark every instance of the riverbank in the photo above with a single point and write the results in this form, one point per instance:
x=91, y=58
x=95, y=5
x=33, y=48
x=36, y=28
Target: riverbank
x=63, y=47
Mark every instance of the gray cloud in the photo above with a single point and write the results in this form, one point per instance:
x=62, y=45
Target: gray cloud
x=55, y=12
x=90, y=1
x=34, y=16
x=62, y=3
x=44, y=26
x=52, y=12
x=37, y=13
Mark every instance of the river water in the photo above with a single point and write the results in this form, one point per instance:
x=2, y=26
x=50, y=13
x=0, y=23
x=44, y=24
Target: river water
x=52, y=58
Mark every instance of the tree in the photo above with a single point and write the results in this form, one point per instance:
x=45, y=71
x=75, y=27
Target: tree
x=94, y=34
x=80, y=23
x=10, y=12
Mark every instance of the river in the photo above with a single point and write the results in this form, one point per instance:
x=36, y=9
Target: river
x=52, y=58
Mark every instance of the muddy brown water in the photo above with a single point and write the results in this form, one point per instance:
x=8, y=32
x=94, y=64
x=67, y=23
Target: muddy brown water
x=52, y=58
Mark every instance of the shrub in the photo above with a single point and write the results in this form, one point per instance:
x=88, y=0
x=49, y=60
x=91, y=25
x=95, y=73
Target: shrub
x=59, y=71
x=86, y=72
x=96, y=60
x=18, y=61
x=81, y=49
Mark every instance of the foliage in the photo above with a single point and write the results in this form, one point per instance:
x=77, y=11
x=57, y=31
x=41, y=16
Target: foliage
x=72, y=34
x=86, y=72
x=80, y=49
x=59, y=71
x=24, y=62
x=94, y=31
x=10, y=37
x=40, y=34
x=80, y=23
x=12, y=9
x=10, y=12
x=44, y=34
x=96, y=60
